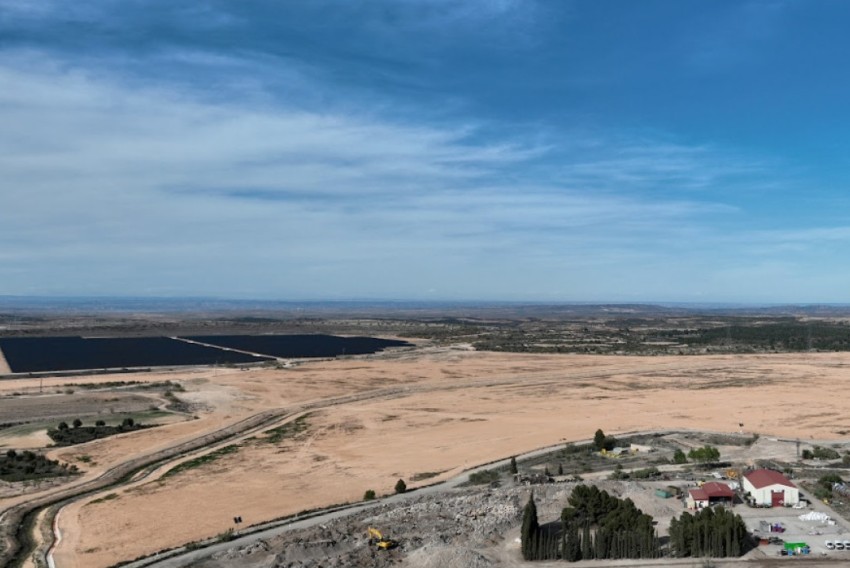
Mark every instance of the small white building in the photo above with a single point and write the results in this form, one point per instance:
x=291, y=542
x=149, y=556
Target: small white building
x=711, y=493
x=771, y=488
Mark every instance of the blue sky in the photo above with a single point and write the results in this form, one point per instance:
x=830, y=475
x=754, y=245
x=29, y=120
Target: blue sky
x=525, y=150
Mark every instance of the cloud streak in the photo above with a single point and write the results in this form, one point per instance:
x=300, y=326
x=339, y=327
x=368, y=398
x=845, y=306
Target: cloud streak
x=255, y=173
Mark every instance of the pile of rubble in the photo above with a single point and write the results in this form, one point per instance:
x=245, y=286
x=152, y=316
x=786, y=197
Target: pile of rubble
x=457, y=528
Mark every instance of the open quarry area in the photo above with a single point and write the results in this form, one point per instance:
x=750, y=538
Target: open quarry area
x=234, y=463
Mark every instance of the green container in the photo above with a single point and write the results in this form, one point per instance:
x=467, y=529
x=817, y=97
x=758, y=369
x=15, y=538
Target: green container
x=663, y=493
x=795, y=545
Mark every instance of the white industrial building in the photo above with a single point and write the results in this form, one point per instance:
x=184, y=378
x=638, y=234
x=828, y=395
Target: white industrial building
x=770, y=488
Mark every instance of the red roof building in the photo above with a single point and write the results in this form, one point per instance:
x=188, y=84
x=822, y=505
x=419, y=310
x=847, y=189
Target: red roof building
x=710, y=493
x=769, y=488
x=761, y=478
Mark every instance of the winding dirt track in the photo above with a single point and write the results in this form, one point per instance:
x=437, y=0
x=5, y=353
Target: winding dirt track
x=11, y=518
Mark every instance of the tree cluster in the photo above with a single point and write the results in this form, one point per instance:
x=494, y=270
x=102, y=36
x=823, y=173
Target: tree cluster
x=598, y=525
x=705, y=454
x=603, y=442
x=20, y=466
x=79, y=434
x=820, y=453
x=717, y=533
x=595, y=526
x=824, y=485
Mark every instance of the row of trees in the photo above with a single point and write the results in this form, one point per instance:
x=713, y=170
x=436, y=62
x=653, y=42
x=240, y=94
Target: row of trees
x=716, y=533
x=63, y=435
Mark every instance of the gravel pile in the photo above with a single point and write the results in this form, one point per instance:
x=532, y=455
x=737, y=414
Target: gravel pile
x=446, y=531
x=457, y=529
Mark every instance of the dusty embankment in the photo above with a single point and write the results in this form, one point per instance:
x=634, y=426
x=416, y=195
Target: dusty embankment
x=454, y=410
x=4, y=365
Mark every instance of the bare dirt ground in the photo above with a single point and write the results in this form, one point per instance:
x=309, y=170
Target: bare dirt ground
x=447, y=410
x=4, y=365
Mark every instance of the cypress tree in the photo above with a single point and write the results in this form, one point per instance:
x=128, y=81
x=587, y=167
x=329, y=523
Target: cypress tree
x=586, y=543
x=572, y=546
x=530, y=528
x=599, y=440
x=719, y=533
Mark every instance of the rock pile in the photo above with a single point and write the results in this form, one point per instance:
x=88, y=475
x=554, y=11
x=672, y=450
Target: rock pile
x=458, y=529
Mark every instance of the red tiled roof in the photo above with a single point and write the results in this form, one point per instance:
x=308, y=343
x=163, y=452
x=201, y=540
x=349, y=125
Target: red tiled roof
x=715, y=489
x=698, y=494
x=764, y=477
x=711, y=490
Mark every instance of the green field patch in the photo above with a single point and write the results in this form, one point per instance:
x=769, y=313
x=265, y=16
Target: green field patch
x=64, y=435
x=148, y=417
x=144, y=416
x=24, y=429
x=200, y=461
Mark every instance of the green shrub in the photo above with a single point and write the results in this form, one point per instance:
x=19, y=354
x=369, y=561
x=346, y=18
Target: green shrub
x=484, y=477
x=27, y=465
x=821, y=453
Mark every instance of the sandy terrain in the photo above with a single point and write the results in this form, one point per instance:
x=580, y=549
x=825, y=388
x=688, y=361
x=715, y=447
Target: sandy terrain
x=4, y=366
x=449, y=410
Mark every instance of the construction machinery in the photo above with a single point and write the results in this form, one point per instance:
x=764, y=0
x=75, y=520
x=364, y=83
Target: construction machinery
x=380, y=541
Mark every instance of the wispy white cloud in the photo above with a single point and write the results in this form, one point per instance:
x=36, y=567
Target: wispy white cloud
x=127, y=189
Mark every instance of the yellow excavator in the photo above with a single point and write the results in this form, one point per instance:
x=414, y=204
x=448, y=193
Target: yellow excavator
x=379, y=540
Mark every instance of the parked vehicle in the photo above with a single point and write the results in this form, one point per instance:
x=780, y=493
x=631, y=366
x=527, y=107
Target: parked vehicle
x=829, y=545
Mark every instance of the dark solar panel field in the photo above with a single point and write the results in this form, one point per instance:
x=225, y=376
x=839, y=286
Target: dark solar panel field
x=42, y=354
x=296, y=346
